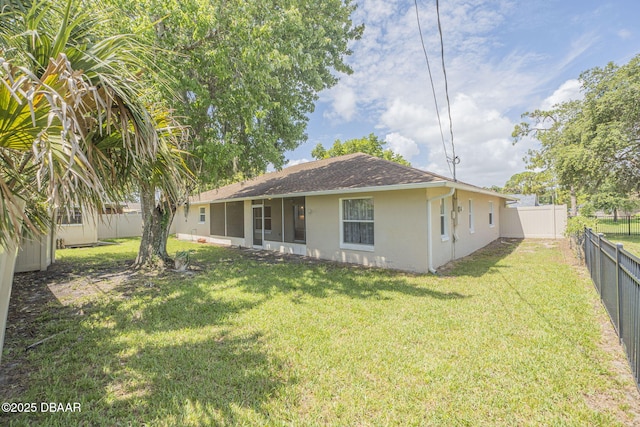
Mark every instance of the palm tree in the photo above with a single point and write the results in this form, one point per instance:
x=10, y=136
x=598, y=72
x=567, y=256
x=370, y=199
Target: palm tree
x=74, y=127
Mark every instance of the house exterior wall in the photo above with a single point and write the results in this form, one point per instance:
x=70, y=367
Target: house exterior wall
x=400, y=228
x=189, y=227
x=80, y=234
x=538, y=222
x=483, y=233
x=190, y=223
x=400, y=232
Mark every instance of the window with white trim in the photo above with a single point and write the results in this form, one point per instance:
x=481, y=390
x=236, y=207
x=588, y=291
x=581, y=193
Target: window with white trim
x=471, y=219
x=203, y=215
x=491, y=223
x=356, y=217
x=443, y=220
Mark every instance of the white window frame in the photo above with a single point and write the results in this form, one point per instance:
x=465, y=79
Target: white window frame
x=355, y=246
x=492, y=219
x=444, y=226
x=472, y=220
x=202, y=215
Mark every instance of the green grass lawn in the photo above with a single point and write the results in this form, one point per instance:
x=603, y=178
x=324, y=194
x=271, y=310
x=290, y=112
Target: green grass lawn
x=630, y=243
x=623, y=226
x=512, y=336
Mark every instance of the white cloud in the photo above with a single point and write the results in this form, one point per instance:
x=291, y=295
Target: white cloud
x=624, y=34
x=344, y=105
x=489, y=84
x=404, y=146
x=569, y=90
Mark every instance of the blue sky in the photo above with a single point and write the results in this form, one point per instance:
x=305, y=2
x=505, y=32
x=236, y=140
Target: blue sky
x=502, y=58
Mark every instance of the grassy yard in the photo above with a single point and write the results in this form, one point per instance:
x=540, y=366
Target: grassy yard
x=630, y=243
x=513, y=336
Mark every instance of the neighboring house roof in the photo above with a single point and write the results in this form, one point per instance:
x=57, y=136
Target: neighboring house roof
x=344, y=174
x=523, y=200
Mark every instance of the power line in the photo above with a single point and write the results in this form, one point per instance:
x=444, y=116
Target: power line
x=433, y=90
x=455, y=159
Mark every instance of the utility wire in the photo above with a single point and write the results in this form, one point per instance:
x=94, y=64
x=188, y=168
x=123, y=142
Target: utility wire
x=455, y=159
x=433, y=90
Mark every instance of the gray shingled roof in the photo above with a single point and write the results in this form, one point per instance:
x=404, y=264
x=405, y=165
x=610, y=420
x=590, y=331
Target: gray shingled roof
x=351, y=171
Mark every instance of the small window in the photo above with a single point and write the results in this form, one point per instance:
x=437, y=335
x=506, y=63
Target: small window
x=491, y=223
x=203, y=215
x=71, y=216
x=357, y=223
x=471, y=219
x=443, y=219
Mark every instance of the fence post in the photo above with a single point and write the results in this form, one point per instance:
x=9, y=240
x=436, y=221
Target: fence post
x=618, y=286
x=629, y=223
x=599, y=256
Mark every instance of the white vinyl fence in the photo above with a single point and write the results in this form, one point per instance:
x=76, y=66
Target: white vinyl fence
x=120, y=225
x=537, y=222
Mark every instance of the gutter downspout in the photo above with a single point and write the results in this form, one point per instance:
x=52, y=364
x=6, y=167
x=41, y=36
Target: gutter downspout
x=429, y=231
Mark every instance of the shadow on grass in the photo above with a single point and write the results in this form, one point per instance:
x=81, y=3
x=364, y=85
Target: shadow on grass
x=165, y=353
x=482, y=261
x=269, y=274
x=165, y=348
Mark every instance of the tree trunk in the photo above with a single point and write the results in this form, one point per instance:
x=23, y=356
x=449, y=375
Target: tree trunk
x=615, y=215
x=574, y=202
x=156, y=222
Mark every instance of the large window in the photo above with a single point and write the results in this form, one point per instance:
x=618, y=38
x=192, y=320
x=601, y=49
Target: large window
x=72, y=216
x=357, y=223
x=471, y=218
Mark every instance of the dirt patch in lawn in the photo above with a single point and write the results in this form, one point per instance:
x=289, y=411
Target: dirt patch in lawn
x=60, y=292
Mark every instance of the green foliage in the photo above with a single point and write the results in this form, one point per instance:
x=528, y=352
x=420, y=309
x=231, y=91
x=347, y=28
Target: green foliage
x=529, y=182
x=247, y=72
x=592, y=145
x=74, y=124
x=577, y=224
x=371, y=145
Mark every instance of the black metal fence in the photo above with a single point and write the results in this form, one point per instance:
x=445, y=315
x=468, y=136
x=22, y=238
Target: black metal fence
x=616, y=275
x=618, y=225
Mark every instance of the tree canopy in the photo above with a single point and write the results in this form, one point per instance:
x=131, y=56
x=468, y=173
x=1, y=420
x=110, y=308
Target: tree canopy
x=592, y=144
x=371, y=145
x=246, y=74
x=74, y=126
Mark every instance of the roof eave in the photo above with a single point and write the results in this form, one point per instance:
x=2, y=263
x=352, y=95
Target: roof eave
x=371, y=189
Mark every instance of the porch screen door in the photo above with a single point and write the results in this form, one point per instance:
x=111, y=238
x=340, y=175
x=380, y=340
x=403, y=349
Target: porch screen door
x=258, y=228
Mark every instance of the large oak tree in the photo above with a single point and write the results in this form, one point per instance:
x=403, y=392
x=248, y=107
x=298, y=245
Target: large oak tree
x=247, y=74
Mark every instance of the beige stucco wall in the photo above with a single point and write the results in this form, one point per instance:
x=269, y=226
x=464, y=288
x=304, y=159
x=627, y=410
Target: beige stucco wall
x=483, y=233
x=189, y=227
x=400, y=232
x=400, y=229
x=541, y=222
x=80, y=234
x=190, y=223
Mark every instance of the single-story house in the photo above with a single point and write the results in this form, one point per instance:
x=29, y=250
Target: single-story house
x=354, y=208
